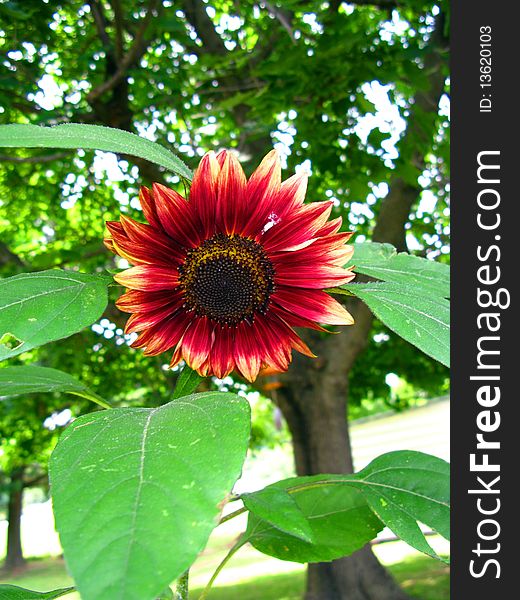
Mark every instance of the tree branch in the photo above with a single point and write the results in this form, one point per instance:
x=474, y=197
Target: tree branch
x=335, y=4
x=131, y=57
x=284, y=17
x=198, y=18
x=101, y=23
x=7, y=257
x=119, y=23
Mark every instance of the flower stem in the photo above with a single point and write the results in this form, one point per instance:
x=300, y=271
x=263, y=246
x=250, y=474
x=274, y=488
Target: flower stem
x=232, y=515
x=240, y=542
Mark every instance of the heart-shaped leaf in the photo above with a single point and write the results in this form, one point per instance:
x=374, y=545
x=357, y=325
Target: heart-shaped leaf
x=405, y=487
x=338, y=516
x=278, y=508
x=419, y=318
x=383, y=262
x=37, y=308
x=136, y=491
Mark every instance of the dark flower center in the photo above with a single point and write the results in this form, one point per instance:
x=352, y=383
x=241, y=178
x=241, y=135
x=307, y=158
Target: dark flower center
x=228, y=278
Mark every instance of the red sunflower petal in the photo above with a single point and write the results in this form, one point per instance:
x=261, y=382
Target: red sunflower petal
x=148, y=205
x=177, y=356
x=176, y=216
x=276, y=346
x=197, y=343
x=221, y=157
x=287, y=335
x=148, y=278
x=144, y=320
x=109, y=243
x=292, y=194
x=314, y=277
x=231, y=186
x=328, y=249
x=146, y=235
x=222, y=362
x=115, y=229
x=314, y=305
x=296, y=342
x=295, y=320
x=246, y=351
x=261, y=191
x=330, y=227
x=137, y=301
x=138, y=254
x=297, y=227
x=203, y=193
x=163, y=336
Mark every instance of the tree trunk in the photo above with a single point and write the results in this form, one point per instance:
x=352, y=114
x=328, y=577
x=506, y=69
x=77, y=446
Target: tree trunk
x=14, y=559
x=314, y=402
x=314, y=395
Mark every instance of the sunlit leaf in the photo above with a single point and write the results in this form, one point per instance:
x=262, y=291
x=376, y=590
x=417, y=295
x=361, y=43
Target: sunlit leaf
x=419, y=318
x=337, y=514
x=383, y=262
x=37, y=308
x=91, y=137
x=187, y=382
x=137, y=491
x=404, y=488
x=13, y=592
x=278, y=508
x=27, y=379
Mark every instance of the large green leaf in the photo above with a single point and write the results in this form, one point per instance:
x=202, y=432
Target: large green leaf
x=276, y=506
x=91, y=137
x=27, y=379
x=383, y=262
x=402, y=488
x=36, y=308
x=136, y=491
x=337, y=514
x=405, y=487
x=13, y=592
x=421, y=319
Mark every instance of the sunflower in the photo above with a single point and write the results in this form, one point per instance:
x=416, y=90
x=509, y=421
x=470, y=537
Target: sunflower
x=224, y=276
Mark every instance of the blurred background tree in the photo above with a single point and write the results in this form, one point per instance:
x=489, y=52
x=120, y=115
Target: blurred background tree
x=356, y=92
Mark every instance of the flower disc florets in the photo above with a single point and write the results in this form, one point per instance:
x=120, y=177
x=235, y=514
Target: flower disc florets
x=224, y=276
x=228, y=278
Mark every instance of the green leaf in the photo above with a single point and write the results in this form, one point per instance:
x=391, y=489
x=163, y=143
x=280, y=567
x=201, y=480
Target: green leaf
x=405, y=487
x=383, y=262
x=91, y=137
x=421, y=319
x=376, y=137
x=13, y=592
x=28, y=379
x=187, y=382
x=279, y=509
x=337, y=514
x=136, y=491
x=37, y=308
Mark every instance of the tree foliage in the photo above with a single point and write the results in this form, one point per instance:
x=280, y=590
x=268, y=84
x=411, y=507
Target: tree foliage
x=356, y=92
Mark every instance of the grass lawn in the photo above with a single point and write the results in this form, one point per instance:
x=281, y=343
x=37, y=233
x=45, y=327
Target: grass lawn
x=419, y=576
x=254, y=577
